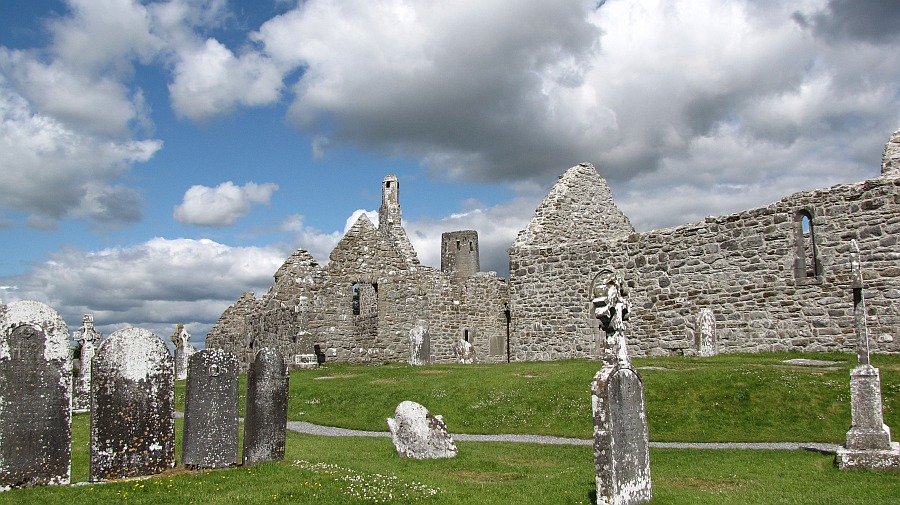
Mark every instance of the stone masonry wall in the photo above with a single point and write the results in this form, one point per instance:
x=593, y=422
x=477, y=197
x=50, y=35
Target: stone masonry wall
x=743, y=266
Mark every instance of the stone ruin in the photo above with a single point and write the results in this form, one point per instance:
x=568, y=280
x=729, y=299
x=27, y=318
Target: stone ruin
x=265, y=422
x=183, y=351
x=868, y=442
x=621, y=437
x=133, y=414
x=88, y=339
x=373, y=299
x=418, y=434
x=210, y=438
x=35, y=389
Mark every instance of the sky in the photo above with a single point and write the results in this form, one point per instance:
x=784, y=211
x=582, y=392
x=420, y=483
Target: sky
x=160, y=158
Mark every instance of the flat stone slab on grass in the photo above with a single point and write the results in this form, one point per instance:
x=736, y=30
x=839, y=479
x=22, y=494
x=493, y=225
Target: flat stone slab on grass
x=810, y=362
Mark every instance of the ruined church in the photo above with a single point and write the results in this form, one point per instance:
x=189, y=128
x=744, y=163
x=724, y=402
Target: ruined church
x=767, y=279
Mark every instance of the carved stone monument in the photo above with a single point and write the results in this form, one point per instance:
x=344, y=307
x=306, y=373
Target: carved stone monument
x=265, y=421
x=211, y=410
x=88, y=338
x=465, y=352
x=706, y=333
x=183, y=351
x=419, y=344
x=868, y=442
x=419, y=434
x=621, y=438
x=133, y=406
x=35, y=391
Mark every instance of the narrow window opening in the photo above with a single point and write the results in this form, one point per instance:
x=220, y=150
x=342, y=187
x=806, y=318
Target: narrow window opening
x=471, y=247
x=466, y=335
x=387, y=184
x=457, y=245
x=809, y=246
x=355, y=300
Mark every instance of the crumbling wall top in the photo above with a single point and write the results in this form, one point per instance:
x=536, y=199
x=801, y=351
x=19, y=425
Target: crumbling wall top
x=890, y=160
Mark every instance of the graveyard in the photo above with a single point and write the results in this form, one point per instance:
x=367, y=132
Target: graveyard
x=727, y=398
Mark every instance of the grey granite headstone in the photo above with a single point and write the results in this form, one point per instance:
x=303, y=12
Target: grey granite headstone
x=133, y=406
x=265, y=420
x=35, y=389
x=419, y=343
x=706, y=333
x=621, y=437
x=419, y=434
x=89, y=339
x=868, y=442
x=210, y=437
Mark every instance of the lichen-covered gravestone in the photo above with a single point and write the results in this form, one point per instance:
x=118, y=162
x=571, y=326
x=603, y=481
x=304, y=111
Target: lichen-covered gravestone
x=88, y=338
x=465, y=352
x=265, y=421
x=419, y=434
x=35, y=389
x=133, y=406
x=211, y=410
x=621, y=438
x=419, y=343
x=706, y=333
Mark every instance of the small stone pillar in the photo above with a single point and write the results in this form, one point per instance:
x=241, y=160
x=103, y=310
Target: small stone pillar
x=89, y=339
x=183, y=351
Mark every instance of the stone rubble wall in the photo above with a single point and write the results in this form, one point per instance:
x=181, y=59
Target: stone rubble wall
x=741, y=266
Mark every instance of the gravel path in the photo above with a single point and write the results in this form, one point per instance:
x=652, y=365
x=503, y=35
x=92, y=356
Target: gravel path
x=328, y=431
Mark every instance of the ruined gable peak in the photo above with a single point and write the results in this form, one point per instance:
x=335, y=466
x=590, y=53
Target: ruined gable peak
x=300, y=263
x=579, y=207
x=890, y=160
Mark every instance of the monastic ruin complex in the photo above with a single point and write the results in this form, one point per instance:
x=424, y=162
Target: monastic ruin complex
x=773, y=278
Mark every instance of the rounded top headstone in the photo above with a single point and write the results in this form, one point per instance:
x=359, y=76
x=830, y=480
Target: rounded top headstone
x=43, y=318
x=137, y=353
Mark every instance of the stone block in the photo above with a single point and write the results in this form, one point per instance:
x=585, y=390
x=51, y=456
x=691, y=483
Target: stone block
x=418, y=434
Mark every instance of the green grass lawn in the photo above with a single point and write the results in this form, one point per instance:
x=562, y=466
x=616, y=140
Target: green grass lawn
x=727, y=398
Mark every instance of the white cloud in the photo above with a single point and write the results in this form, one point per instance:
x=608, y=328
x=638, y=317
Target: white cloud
x=51, y=171
x=223, y=204
x=154, y=285
x=210, y=80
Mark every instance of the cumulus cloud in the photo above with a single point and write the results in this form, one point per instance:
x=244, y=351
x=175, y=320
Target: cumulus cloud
x=223, y=204
x=51, y=171
x=153, y=285
x=503, y=93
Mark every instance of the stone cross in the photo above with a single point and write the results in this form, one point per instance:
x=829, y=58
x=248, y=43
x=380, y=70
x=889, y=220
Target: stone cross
x=859, y=305
x=612, y=307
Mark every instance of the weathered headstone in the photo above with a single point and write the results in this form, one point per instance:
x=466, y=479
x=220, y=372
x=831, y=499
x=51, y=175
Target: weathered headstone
x=306, y=361
x=133, y=406
x=265, y=421
x=621, y=438
x=419, y=434
x=211, y=410
x=706, y=333
x=868, y=442
x=183, y=351
x=419, y=343
x=465, y=352
x=35, y=391
x=88, y=338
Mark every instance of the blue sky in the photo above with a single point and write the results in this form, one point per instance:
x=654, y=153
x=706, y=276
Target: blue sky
x=159, y=158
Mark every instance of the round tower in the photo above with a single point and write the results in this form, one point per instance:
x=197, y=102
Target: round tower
x=459, y=253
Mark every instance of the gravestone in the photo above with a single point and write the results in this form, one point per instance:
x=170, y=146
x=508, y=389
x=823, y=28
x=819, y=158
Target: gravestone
x=133, y=406
x=419, y=434
x=210, y=437
x=305, y=361
x=419, y=343
x=88, y=338
x=265, y=421
x=621, y=437
x=465, y=352
x=868, y=442
x=706, y=333
x=35, y=392
x=183, y=351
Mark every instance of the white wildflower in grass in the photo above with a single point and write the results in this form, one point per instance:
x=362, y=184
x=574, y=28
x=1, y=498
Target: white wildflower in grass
x=372, y=487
